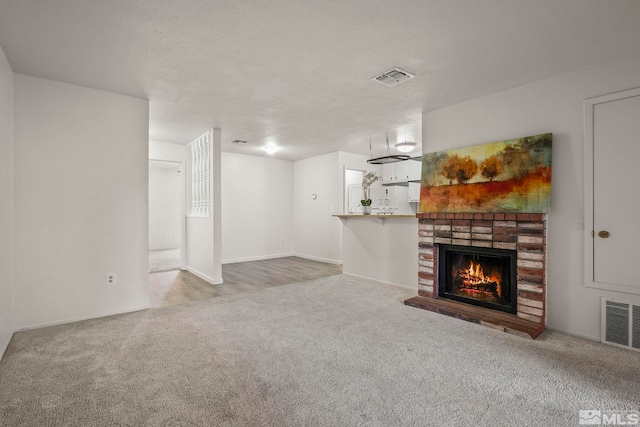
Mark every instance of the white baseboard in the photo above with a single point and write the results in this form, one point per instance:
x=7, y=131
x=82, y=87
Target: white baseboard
x=203, y=276
x=257, y=258
x=5, y=345
x=415, y=288
x=80, y=319
x=564, y=331
x=317, y=258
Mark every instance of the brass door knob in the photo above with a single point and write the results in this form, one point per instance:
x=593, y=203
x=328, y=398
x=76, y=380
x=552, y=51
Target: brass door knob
x=604, y=234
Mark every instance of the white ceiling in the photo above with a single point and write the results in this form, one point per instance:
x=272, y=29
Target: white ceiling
x=297, y=73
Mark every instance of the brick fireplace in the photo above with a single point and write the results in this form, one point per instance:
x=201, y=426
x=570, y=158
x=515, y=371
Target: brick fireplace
x=522, y=233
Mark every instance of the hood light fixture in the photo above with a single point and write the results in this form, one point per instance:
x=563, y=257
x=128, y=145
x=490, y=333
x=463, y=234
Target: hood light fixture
x=406, y=146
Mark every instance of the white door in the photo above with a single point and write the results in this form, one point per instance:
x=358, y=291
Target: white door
x=355, y=196
x=612, y=229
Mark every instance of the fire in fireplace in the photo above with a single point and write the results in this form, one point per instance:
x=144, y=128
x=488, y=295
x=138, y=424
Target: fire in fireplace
x=478, y=276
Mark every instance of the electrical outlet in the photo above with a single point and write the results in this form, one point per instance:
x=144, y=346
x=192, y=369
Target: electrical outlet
x=282, y=240
x=111, y=279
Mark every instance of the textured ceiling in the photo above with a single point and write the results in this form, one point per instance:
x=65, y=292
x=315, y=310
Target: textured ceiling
x=297, y=73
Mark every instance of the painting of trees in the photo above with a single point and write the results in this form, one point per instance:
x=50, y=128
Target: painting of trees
x=525, y=155
x=449, y=169
x=460, y=169
x=502, y=176
x=491, y=167
x=432, y=167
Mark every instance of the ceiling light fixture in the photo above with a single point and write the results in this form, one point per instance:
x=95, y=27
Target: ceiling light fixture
x=406, y=146
x=270, y=149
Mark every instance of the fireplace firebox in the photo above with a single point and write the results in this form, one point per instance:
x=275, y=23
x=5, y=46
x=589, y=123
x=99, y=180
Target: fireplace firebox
x=479, y=276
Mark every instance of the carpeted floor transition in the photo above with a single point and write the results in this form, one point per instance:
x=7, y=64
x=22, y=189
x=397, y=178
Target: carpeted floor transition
x=337, y=351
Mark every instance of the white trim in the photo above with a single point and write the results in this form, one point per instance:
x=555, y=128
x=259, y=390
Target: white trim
x=573, y=334
x=183, y=219
x=80, y=319
x=381, y=281
x=257, y=258
x=589, y=105
x=5, y=346
x=203, y=276
x=317, y=258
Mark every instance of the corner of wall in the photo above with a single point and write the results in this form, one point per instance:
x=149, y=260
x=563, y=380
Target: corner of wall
x=217, y=205
x=7, y=285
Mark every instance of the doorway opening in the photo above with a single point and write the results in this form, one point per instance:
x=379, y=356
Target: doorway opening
x=352, y=191
x=166, y=216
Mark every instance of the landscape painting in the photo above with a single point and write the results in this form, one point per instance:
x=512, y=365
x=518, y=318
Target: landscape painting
x=503, y=176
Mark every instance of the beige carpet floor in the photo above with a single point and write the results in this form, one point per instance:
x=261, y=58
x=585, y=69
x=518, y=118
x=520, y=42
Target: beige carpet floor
x=337, y=351
x=164, y=260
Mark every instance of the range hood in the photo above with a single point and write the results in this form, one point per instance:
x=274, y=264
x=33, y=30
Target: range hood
x=389, y=159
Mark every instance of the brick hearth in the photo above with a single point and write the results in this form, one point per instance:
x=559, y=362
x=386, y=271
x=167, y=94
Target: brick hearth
x=524, y=233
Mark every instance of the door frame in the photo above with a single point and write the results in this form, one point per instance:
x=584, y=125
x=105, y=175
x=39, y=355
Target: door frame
x=343, y=189
x=589, y=232
x=183, y=190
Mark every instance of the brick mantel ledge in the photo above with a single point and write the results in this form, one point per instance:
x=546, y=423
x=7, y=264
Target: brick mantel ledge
x=484, y=216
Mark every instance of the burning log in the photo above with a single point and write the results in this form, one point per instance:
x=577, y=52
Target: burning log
x=474, y=278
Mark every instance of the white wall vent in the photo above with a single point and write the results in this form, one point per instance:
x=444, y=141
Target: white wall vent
x=393, y=77
x=620, y=324
x=238, y=142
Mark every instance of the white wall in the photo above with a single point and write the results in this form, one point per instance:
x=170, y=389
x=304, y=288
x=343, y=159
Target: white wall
x=203, y=235
x=257, y=207
x=81, y=211
x=168, y=152
x=550, y=105
x=6, y=203
x=384, y=250
x=199, y=248
x=317, y=235
x=164, y=206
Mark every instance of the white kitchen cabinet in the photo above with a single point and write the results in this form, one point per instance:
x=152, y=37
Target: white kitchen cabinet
x=401, y=171
x=414, y=192
x=388, y=173
x=415, y=169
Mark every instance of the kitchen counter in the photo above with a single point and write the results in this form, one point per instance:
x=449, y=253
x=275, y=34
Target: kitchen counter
x=374, y=216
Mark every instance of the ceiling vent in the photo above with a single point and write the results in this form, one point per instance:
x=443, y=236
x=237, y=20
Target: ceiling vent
x=393, y=77
x=238, y=142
